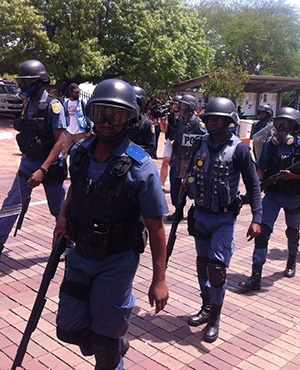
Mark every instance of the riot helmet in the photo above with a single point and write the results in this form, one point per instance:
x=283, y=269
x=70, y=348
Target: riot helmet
x=113, y=101
x=188, y=104
x=31, y=76
x=176, y=99
x=141, y=97
x=285, y=121
x=221, y=107
x=265, y=108
x=289, y=113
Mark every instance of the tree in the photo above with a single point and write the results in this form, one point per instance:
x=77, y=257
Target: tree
x=254, y=33
x=21, y=35
x=153, y=43
x=228, y=81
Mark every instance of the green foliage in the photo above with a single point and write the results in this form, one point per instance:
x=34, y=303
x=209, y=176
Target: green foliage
x=153, y=43
x=254, y=32
x=22, y=36
x=159, y=42
x=228, y=81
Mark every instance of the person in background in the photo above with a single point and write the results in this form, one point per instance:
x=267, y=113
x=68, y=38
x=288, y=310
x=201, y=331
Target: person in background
x=212, y=180
x=114, y=200
x=143, y=132
x=279, y=152
x=168, y=126
x=40, y=139
x=77, y=124
x=187, y=131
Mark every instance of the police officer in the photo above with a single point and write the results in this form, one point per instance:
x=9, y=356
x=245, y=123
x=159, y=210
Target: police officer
x=279, y=152
x=212, y=180
x=168, y=126
x=189, y=128
x=40, y=139
x=265, y=114
x=115, y=194
x=143, y=132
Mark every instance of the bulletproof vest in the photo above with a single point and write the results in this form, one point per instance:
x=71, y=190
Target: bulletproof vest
x=186, y=134
x=172, y=122
x=213, y=181
x=277, y=162
x=105, y=214
x=35, y=138
x=135, y=132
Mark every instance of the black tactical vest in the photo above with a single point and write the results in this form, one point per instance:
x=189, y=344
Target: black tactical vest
x=35, y=138
x=276, y=163
x=105, y=216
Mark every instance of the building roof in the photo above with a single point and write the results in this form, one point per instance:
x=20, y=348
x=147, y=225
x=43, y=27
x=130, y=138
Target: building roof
x=256, y=83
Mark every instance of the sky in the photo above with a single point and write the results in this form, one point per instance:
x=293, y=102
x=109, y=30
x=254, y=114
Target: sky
x=294, y=2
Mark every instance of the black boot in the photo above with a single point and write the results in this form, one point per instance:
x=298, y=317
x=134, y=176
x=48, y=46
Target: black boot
x=202, y=316
x=252, y=282
x=211, y=331
x=290, y=270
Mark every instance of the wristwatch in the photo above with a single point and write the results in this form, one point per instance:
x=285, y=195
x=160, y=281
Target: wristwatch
x=44, y=170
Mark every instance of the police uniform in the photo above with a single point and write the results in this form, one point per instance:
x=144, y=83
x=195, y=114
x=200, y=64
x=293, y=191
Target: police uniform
x=36, y=142
x=282, y=194
x=185, y=135
x=106, y=222
x=143, y=134
x=213, y=182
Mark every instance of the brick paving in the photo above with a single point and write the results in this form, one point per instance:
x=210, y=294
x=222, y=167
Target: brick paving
x=258, y=330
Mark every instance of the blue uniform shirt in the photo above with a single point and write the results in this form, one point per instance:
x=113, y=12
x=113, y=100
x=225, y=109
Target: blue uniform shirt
x=143, y=178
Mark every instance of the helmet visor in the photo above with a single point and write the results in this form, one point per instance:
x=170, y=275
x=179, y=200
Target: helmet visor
x=115, y=116
x=24, y=82
x=283, y=124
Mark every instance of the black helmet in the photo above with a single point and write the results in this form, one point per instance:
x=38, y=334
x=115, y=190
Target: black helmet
x=289, y=113
x=141, y=96
x=220, y=107
x=114, y=93
x=190, y=100
x=33, y=69
x=265, y=108
x=176, y=99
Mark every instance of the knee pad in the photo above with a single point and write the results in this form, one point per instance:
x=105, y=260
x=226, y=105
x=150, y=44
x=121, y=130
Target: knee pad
x=106, y=351
x=202, y=267
x=216, y=272
x=261, y=241
x=292, y=235
x=78, y=337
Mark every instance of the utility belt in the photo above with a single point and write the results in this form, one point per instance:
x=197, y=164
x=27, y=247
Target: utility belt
x=234, y=206
x=99, y=240
x=210, y=211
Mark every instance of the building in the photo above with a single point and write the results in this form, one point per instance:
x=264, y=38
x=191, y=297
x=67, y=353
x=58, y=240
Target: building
x=258, y=90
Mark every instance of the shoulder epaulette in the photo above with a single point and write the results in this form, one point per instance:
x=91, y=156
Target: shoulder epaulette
x=136, y=152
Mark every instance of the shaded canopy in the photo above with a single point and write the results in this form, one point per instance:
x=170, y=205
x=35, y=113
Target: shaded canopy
x=256, y=84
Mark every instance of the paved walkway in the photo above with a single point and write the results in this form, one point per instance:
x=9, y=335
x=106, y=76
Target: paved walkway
x=258, y=330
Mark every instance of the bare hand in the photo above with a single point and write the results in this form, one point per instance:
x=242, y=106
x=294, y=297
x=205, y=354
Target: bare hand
x=60, y=228
x=158, y=294
x=253, y=231
x=286, y=175
x=35, y=179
